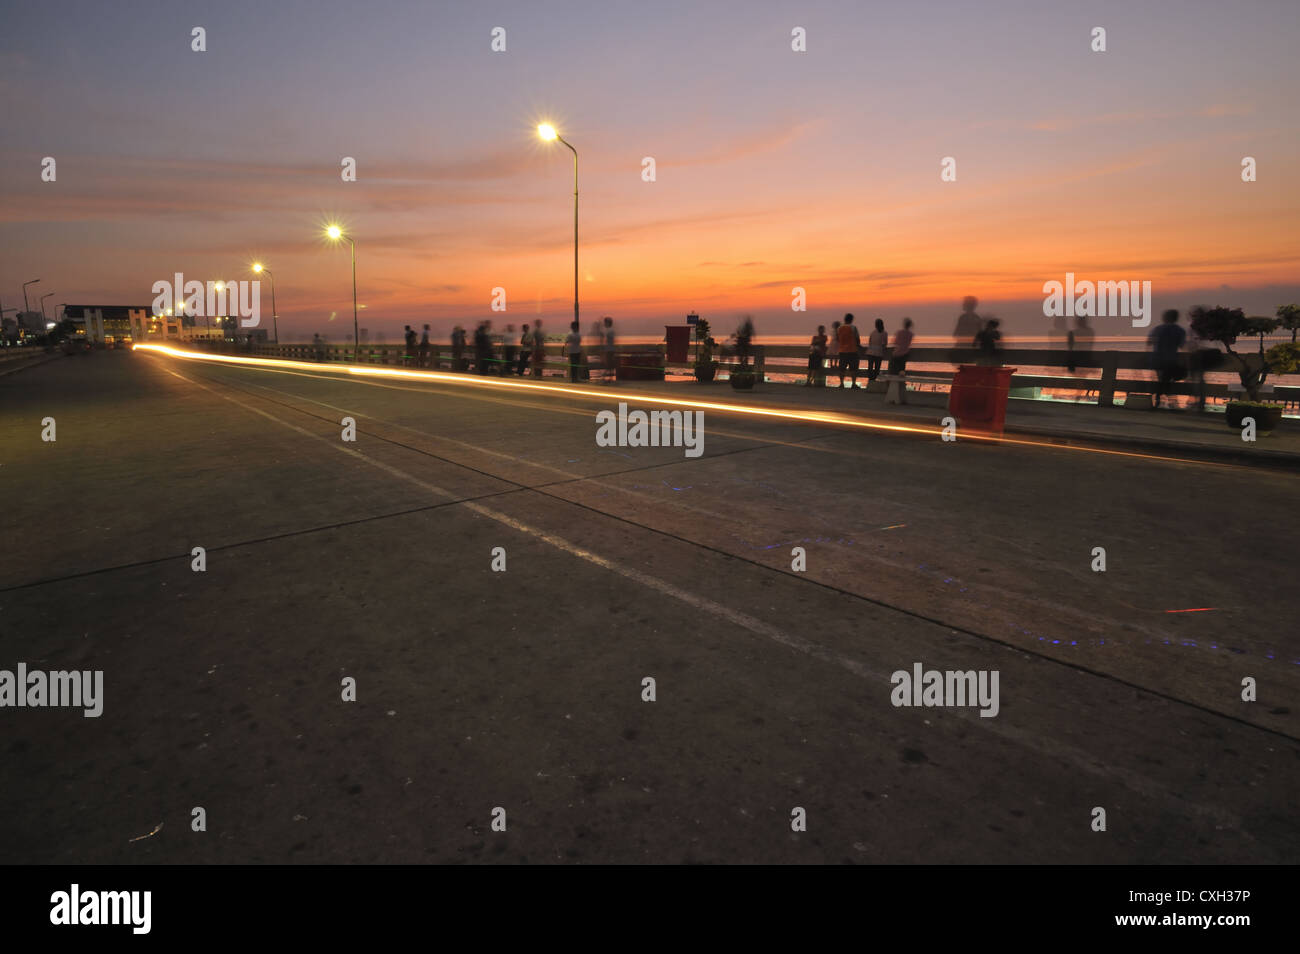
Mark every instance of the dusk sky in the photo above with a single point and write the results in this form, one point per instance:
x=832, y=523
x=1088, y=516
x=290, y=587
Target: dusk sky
x=775, y=169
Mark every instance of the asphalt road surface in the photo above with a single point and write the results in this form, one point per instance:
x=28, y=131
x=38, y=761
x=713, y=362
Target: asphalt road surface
x=475, y=689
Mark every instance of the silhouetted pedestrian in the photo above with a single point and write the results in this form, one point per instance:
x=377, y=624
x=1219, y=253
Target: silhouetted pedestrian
x=902, y=348
x=508, y=346
x=969, y=324
x=424, y=348
x=539, y=350
x=1078, y=340
x=483, y=346
x=817, y=359
x=573, y=352
x=1202, y=356
x=850, y=346
x=410, y=346
x=458, y=348
x=1166, y=340
x=525, y=350
x=876, y=344
x=989, y=343
x=611, y=359
x=833, y=349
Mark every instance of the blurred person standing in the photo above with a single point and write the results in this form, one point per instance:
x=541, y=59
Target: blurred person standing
x=817, y=359
x=525, y=351
x=539, y=349
x=876, y=345
x=1166, y=341
x=573, y=352
x=902, y=349
x=850, y=345
x=508, y=345
x=607, y=346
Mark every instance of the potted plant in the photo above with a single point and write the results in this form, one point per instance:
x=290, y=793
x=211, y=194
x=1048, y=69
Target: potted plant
x=1226, y=325
x=1266, y=416
x=705, y=367
x=743, y=378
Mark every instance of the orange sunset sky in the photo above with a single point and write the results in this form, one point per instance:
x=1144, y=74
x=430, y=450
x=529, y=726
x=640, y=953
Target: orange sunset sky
x=774, y=168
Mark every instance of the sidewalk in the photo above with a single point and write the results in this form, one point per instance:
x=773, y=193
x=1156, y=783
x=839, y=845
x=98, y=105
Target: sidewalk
x=1164, y=432
x=19, y=359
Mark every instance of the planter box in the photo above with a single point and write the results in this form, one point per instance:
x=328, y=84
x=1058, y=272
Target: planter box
x=1266, y=418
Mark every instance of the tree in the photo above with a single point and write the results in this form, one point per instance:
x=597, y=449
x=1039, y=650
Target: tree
x=701, y=335
x=63, y=330
x=1289, y=315
x=1226, y=325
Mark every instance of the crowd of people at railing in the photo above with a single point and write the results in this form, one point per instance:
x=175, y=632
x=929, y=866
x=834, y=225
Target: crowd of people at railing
x=516, y=354
x=843, y=351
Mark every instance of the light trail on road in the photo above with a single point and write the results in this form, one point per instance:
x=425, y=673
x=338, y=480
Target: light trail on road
x=796, y=415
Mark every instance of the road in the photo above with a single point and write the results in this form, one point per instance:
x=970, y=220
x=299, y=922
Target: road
x=477, y=689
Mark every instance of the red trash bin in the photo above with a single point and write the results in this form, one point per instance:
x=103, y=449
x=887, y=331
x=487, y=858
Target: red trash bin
x=679, y=342
x=978, y=398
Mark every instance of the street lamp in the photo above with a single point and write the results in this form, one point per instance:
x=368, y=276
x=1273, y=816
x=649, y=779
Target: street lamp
x=259, y=268
x=44, y=320
x=207, y=319
x=27, y=307
x=334, y=233
x=549, y=134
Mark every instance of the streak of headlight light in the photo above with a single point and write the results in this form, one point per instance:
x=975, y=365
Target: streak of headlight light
x=788, y=414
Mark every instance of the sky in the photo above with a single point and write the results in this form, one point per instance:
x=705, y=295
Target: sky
x=774, y=169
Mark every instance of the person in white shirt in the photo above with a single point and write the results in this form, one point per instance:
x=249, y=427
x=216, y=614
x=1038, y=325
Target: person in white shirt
x=876, y=345
x=611, y=370
x=573, y=351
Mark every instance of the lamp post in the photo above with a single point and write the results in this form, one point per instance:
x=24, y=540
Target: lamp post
x=27, y=307
x=207, y=319
x=549, y=134
x=44, y=320
x=335, y=233
x=259, y=268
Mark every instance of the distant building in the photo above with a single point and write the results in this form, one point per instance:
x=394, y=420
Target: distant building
x=113, y=323
x=126, y=323
x=33, y=322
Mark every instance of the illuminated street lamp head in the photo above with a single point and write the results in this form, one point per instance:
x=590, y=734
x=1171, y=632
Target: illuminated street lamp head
x=334, y=232
x=547, y=132
x=257, y=267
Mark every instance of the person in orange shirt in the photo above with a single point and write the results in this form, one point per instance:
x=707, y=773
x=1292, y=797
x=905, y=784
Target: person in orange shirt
x=850, y=344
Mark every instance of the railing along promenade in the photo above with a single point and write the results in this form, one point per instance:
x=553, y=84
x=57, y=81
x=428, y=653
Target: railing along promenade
x=1092, y=374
